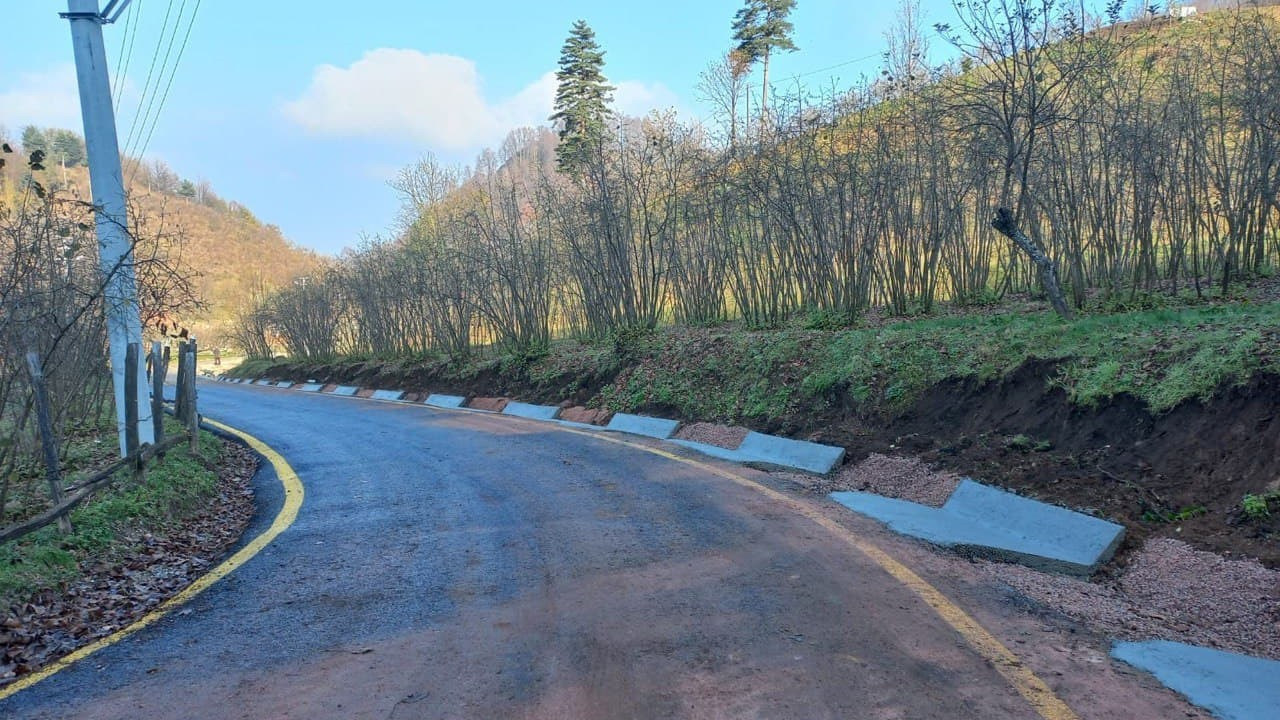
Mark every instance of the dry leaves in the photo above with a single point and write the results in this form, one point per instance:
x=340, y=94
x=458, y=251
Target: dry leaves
x=110, y=597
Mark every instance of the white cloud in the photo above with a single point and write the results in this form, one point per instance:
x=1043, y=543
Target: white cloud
x=46, y=98
x=638, y=99
x=434, y=99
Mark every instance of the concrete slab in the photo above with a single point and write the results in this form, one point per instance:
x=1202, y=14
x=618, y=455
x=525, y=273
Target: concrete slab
x=1231, y=686
x=533, y=412
x=310, y=387
x=285, y=384
x=445, y=401
x=387, y=394
x=773, y=451
x=1045, y=530
x=348, y=390
x=653, y=427
x=264, y=381
x=790, y=453
x=992, y=523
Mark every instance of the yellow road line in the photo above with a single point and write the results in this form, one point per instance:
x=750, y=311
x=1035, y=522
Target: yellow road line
x=293, y=494
x=1031, y=687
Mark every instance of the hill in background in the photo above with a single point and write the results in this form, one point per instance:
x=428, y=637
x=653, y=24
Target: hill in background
x=232, y=255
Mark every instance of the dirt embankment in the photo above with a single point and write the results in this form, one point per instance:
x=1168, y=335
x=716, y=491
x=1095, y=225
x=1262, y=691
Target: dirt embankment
x=1180, y=474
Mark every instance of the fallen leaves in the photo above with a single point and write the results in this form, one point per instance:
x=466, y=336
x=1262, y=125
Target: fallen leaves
x=150, y=569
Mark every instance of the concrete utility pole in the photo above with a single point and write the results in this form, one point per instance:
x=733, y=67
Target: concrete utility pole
x=115, y=248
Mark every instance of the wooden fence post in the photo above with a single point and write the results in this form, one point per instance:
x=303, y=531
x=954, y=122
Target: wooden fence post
x=193, y=416
x=48, y=442
x=157, y=390
x=180, y=399
x=132, y=442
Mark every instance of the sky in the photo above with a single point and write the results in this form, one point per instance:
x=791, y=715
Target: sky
x=303, y=111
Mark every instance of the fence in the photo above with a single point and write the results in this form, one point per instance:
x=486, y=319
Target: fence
x=137, y=454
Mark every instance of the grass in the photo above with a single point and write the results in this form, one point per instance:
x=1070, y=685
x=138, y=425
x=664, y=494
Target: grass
x=246, y=368
x=1161, y=355
x=175, y=487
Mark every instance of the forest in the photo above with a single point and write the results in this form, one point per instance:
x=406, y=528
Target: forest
x=1083, y=159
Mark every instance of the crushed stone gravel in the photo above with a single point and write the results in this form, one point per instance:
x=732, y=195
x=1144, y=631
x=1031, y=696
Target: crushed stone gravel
x=905, y=478
x=1168, y=591
x=725, y=436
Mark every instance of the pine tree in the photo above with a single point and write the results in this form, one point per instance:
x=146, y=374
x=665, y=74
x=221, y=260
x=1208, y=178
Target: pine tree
x=66, y=147
x=760, y=27
x=33, y=139
x=582, y=97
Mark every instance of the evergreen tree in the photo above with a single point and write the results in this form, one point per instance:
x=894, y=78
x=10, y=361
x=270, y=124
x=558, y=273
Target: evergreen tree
x=66, y=147
x=187, y=189
x=759, y=28
x=33, y=139
x=582, y=96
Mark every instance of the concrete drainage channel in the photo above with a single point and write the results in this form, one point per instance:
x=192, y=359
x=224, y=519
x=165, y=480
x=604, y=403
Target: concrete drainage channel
x=977, y=520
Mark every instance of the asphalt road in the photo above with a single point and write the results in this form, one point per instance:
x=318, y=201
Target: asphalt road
x=455, y=565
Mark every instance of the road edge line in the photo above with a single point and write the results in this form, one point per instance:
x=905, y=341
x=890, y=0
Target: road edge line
x=293, y=497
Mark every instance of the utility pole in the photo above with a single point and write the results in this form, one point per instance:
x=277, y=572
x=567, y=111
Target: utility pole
x=115, y=248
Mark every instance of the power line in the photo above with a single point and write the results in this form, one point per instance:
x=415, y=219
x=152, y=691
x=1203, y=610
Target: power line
x=172, y=72
x=126, y=57
x=837, y=65
x=164, y=67
x=146, y=86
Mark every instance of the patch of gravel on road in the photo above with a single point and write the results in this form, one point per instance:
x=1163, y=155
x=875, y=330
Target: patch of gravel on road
x=1168, y=591
x=904, y=478
x=725, y=436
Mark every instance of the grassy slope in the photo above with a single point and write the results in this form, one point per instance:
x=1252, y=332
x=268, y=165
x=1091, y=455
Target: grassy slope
x=174, y=488
x=1162, y=356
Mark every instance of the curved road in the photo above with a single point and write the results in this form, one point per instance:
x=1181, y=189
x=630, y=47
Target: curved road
x=458, y=565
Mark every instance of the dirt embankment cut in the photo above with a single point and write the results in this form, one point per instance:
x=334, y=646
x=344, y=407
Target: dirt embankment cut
x=1180, y=474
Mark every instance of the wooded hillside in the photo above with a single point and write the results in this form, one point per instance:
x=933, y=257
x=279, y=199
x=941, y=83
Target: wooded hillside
x=1133, y=161
x=230, y=255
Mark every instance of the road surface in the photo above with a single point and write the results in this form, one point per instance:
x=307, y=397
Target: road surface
x=459, y=565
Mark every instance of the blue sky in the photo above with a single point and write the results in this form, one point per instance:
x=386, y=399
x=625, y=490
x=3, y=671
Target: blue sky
x=303, y=111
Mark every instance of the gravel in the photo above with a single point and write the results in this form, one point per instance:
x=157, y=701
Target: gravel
x=725, y=436
x=896, y=477
x=1168, y=591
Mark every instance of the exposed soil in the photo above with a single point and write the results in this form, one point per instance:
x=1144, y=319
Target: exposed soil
x=576, y=387
x=587, y=416
x=492, y=404
x=110, y=596
x=1180, y=474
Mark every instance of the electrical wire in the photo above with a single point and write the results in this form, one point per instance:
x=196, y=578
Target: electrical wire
x=148, y=117
x=172, y=72
x=146, y=86
x=837, y=65
x=126, y=56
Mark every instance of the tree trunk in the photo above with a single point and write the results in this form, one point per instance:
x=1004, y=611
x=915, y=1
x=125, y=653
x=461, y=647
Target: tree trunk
x=1003, y=222
x=764, y=92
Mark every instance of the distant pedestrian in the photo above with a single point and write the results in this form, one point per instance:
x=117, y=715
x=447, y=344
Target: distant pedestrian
x=217, y=357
